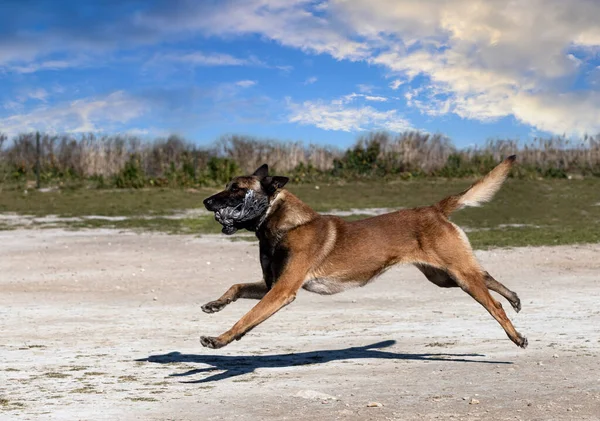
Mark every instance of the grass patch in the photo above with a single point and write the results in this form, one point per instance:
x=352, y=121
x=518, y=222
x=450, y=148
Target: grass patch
x=81, y=202
x=127, y=379
x=524, y=212
x=94, y=373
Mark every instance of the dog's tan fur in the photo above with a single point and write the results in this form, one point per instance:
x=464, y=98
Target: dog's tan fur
x=325, y=254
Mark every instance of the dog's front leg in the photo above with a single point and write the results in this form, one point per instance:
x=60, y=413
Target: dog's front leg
x=254, y=290
x=281, y=294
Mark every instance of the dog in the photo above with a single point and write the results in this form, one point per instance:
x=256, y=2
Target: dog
x=300, y=248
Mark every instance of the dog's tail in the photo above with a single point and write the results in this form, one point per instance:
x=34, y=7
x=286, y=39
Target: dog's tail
x=482, y=191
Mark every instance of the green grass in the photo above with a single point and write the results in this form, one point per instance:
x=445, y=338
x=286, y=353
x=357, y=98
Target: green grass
x=120, y=202
x=524, y=212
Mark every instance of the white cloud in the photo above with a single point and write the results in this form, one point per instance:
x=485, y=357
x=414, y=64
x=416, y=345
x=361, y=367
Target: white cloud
x=497, y=58
x=479, y=59
x=310, y=80
x=340, y=115
x=44, y=65
x=245, y=83
x=199, y=58
x=396, y=84
x=364, y=88
x=288, y=22
x=13, y=105
x=375, y=98
x=83, y=115
x=39, y=94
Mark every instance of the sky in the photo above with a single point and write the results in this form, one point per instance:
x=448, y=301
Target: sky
x=315, y=71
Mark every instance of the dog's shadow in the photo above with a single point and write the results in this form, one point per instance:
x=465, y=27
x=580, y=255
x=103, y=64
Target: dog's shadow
x=232, y=366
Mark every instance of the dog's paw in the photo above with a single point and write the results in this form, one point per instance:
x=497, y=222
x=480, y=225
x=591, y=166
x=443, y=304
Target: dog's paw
x=213, y=306
x=516, y=305
x=523, y=342
x=515, y=302
x=211, y=342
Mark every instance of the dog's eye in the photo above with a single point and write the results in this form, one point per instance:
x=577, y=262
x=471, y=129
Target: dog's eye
x=234, y=187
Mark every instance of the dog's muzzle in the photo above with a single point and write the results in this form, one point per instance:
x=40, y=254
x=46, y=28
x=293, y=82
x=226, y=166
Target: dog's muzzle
x=250, y=209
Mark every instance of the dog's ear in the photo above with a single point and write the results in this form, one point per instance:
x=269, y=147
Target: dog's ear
x=271, y=184
x=262, y=172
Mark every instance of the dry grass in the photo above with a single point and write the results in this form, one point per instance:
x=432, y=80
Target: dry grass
x=173, y=158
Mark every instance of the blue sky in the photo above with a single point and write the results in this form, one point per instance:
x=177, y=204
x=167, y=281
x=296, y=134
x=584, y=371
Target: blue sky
x=316, y=71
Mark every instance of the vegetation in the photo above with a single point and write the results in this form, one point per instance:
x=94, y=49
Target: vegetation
x=128, y=162
x=524, y=212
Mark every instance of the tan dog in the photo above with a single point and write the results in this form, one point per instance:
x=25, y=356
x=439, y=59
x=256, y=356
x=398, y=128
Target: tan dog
x=300, y=248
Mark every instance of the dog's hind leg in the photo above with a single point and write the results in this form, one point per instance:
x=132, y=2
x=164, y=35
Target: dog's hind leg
x=437, y=276
x=496, y=286
x=443, y=279
x=472, y=280
x=254, y=290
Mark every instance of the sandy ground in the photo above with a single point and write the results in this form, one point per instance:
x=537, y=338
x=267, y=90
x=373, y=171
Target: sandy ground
x=100, y=325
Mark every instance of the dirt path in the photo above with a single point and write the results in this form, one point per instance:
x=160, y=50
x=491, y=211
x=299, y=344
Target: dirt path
x=98, y=325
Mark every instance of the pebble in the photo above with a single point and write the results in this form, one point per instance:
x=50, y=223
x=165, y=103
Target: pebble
x=555, y=356
x=155, y=298
x=374, y=405
x=474, y=402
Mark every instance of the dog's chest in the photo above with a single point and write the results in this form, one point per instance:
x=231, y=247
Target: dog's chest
x=328, y=286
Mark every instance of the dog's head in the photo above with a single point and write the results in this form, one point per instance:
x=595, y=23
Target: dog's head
x=245, y=200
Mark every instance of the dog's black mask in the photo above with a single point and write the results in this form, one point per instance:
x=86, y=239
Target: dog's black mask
x=244, y=203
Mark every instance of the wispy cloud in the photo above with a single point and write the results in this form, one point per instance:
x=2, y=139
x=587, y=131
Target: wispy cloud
x=396, y=84
x=39, y=94
x=37, y=66
x=199, y=58
x=83, y=115
x=310, y=80
x=344, y=114
x=365, y=88
x=245, y=83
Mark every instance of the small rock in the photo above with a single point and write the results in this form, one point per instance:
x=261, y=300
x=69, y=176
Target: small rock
x=569, y=409
x=474, y=402
x=555, y=356
x=155, y=298
x=374, y=405
x=540, y=363
x=317, y=187
x=208, y=263
x=465, y=398
x=354, y=301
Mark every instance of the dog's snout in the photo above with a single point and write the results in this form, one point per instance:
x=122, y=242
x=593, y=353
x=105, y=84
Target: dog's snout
x=208, y=203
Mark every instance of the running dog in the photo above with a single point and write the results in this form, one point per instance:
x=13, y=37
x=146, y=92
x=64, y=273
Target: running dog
x=300, y=248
